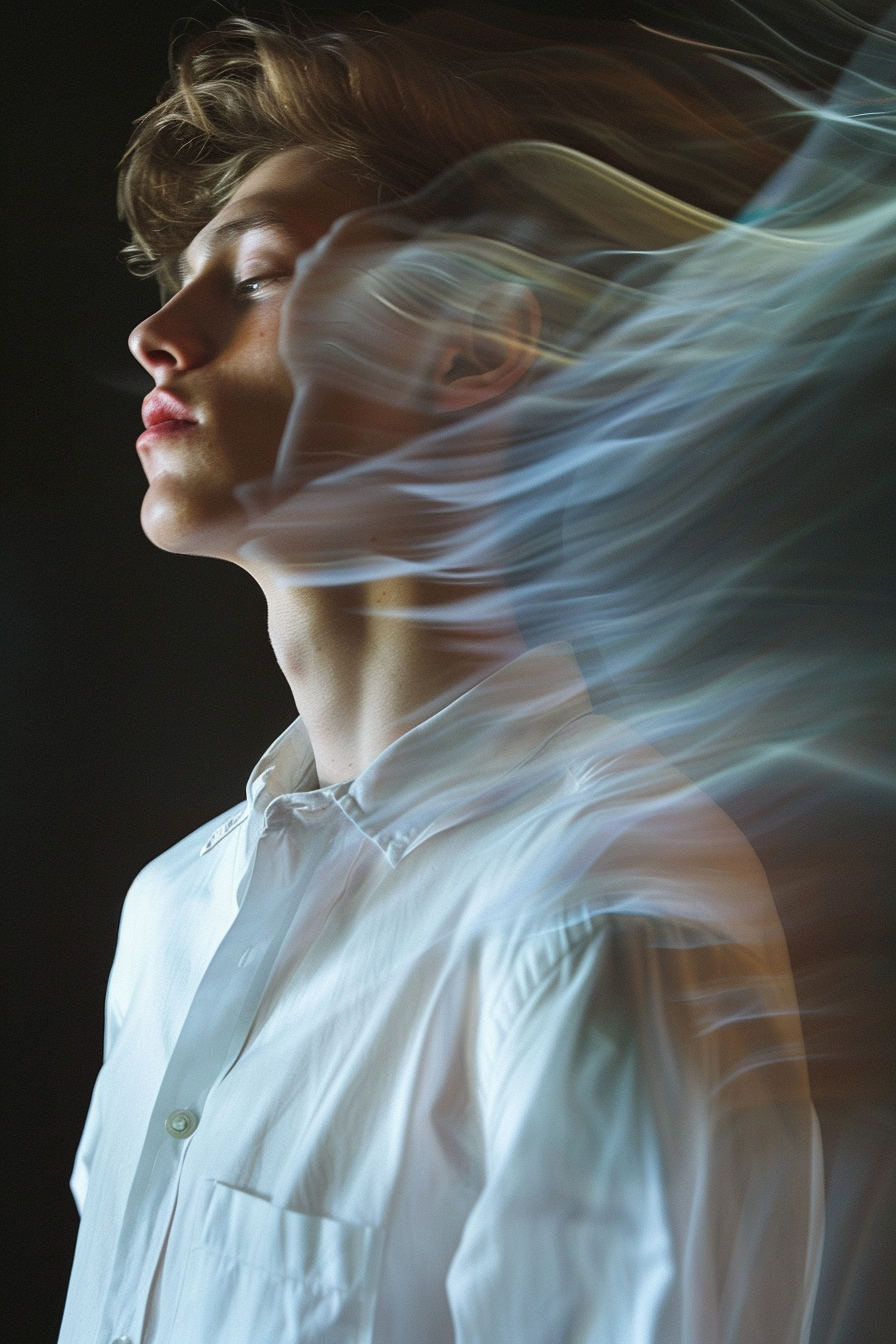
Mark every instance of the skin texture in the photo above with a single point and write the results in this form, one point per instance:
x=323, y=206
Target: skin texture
x=214, y=346
x=360, y=678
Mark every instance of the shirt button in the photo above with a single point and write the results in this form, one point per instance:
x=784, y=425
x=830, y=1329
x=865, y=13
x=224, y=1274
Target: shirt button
x=180, y=1125
x=122, y=1339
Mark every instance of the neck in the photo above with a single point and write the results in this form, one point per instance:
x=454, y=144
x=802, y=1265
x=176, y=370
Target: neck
x=364, y=666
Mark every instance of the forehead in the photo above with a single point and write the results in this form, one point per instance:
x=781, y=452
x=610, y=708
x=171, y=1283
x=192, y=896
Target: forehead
x=297, y=193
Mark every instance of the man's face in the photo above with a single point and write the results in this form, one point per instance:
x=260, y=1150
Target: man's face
x=222, y=394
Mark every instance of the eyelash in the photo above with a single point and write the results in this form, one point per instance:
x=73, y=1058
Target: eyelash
x=243, y=286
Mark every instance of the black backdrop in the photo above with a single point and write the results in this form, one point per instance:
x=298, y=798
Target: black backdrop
x=141, y=687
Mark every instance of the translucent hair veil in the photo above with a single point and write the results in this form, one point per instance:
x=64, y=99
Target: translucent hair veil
x=693, y=488
x=689, y=485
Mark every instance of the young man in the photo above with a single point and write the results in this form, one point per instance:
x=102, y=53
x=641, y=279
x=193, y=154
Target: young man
x=475, y=1022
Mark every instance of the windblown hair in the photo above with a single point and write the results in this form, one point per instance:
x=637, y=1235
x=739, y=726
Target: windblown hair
x=396, y=105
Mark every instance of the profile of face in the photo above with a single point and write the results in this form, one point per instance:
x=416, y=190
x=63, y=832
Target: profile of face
x=223, y=394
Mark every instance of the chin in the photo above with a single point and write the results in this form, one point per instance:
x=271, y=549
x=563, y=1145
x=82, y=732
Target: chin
x=189, y=521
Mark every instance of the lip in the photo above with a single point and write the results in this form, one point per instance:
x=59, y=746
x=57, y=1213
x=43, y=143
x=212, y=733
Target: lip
x=161, y=408
x=165, y=416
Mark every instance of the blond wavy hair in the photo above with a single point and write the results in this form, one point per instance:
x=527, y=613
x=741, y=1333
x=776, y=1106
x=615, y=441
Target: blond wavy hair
x=396, y=105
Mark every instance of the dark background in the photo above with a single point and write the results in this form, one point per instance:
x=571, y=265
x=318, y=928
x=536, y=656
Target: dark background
x=141, y=686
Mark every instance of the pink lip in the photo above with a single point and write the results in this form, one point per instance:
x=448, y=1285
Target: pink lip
x=161, y=407
x=164, y=415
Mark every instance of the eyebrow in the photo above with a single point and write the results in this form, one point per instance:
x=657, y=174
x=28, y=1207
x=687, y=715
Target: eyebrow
x=235, y=228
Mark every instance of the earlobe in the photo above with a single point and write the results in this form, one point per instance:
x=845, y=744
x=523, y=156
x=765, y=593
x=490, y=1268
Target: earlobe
x=493, y=351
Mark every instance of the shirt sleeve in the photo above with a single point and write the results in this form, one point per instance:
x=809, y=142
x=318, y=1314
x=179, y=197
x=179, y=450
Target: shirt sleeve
x=119, y=987
x=653, y=1171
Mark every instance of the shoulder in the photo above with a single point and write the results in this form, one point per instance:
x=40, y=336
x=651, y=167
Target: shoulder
x=171, y=894
x=604, y=825
x=167, y=875
x=623, y=875
x=642, y=998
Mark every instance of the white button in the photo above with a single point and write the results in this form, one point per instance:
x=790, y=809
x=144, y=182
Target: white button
x=181, y=1124
x=122, y=1339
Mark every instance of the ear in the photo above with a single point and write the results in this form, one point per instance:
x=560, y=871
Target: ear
x=490, y=352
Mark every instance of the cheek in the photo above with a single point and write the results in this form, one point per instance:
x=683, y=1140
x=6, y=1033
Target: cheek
x=252, y=411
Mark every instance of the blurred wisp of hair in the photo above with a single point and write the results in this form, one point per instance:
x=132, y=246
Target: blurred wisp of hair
x=398, y=104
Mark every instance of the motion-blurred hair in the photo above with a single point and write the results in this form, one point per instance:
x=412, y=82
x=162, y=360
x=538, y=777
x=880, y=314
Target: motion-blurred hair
x=398, y=104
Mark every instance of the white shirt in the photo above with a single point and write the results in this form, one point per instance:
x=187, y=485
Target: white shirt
x=496, y=1043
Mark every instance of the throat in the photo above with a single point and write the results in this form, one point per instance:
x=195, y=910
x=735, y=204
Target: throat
x=367, y=665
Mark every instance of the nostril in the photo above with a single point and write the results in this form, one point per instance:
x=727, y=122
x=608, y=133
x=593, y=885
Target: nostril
x=165, y=358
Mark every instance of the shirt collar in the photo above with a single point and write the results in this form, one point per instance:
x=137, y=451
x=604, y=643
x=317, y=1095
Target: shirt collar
x=433, y=775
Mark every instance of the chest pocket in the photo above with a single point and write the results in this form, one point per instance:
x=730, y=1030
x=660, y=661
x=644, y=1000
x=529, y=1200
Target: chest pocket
x=257, y=1274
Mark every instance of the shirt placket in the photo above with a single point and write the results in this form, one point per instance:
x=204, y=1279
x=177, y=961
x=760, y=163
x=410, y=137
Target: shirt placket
x=214, y=1031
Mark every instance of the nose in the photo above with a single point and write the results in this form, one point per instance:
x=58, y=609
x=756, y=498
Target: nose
x=172, y=339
